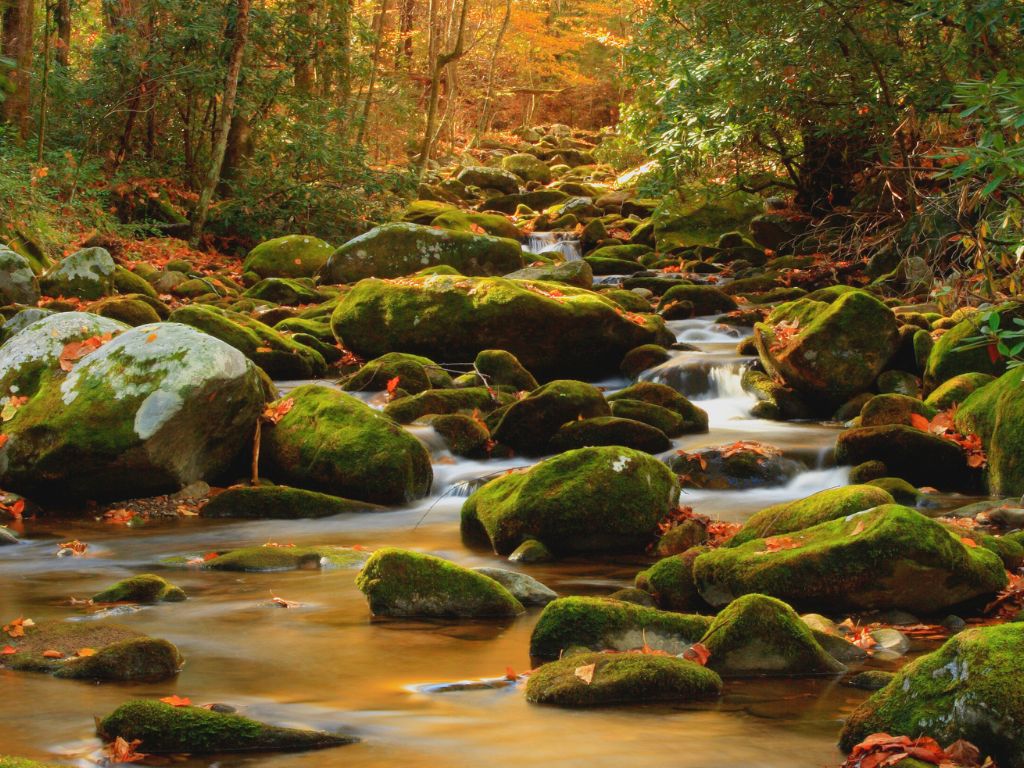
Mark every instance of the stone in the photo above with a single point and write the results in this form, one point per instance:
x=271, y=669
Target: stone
x=145, y=588
x=85, y=274
x=288, y=256
x=18, y=283
x=279, y=502
x=526, y=589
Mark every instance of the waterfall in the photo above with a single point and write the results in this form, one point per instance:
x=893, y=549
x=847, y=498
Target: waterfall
x=565, y=243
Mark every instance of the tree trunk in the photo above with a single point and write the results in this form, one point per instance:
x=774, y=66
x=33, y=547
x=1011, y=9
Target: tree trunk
x=378, y=47
x=305, y=11
x=18, y=18
x=241, y=36
x=440, y=64
x=343, y=24
x=486, y=109
x=62, y=17
x=239, y=149
x=407, y=12
x=825, y=174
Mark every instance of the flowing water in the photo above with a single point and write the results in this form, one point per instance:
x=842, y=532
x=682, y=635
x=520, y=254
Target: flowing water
x=564, y=243
x=327, y=665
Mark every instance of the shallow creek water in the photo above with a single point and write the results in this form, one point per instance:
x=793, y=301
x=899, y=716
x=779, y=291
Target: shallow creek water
x=327, y=665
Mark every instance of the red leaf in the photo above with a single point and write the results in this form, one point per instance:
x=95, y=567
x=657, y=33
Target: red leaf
x=920, y=422
x=698, y=653
x=993, y=353
x=177, y=701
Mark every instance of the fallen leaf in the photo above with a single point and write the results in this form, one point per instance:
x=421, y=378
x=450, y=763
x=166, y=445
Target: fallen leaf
x=83, y=653
x=52, y=654
x=586, y=673
x=74, y=351
x=121, y=751
x=277, y=411
x=697, y=653
x=969, y=543
x=858, y=529
x=177, y=701
x=7, y=651
x=75, y=547
x=510, y=674
x=920, y=422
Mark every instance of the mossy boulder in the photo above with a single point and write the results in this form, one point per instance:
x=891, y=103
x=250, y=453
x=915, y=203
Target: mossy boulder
x=601, y=499
x=602, y=624
x=698, y=215
x=629, y=678
x=629, y=403
x=22, y=319
x=948, y=358
x=462, y=434
x=163, y=729
x=735, y=467
x=492, y=224
x=670, y=581
x=452, y=319
x=414, y=373
x=537, y=200
x=155, y=409
x=273, y=558
x=334, y=443
x=886, y=557
x=425, y=211
x=969, y=689
x=601, y=265
x=145, y=588
x=85, y=274
x=882, y=410
x=501, y=368
x=829, y=351
x=487, y=177
x=119, y=654
x=578, y=273
x=527, y=167
x=400, y=583
x=279, y=502
x=406, y=410
x=400, y=248
x=529, y=424
x=956, y=389
x=288, y=256
x=7, y=761
x=610, y=430
x=901, y=491
x=804, y=513
x=705, y=299
x=126, y=309
x=18, y=283
x=995, y=413
x=641, y=358
x=284, y=291
x=759, y=635
x=919, y=457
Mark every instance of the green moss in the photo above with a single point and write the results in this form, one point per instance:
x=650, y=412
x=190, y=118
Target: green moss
x=611, y=430
x=995, y=413
x=759, y=635
x=602, y=624
x=577, y=273
x=473, y=222
x=288, y=256
x=955, y=390
x=273, y=558
x=425, y=211
x=278, y=502
x=901, y=491
x=141, y=659
x=127, y=281
x=641, y=358
x=882, y=410
x=887, y=557
x=706, y=299
x=406, y=410
x=919, y=457
x=670, y=581
x=693, y=419
x=947, y=359
x=968, y=689
x=414, y=373
x=163, y=728
x=501, y=368
x=587, y=500
x=529, y=424
x=632, y=678
x=698, y=215
x=129, y=311
x=464, y=435
x=85, y=274
x=21, y=762
x=145, y=588
x=397, y=582
x=810, y=511
x=527, y=167
x=280, y=290
x=319, y=329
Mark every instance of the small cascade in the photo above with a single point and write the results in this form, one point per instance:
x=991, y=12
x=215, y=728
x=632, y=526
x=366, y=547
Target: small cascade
x=566, y=243
x=702, y=375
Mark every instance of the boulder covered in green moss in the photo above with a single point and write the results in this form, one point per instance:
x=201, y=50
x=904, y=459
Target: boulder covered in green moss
x=759, y=635
x=670, y=581
x=820, y=507
x=601, y=679
x=273, y=557
x=968, y=689
x=334, y=443
x=6, y=761
x=85, y=274
x=950, y=356
x=463, y=434
x=474, y=222
x=487, y=177
x=529, y=424
x=537, y=200
x=956, y=389
x=451, y=319
x=18, y=283
x=155, y=409
x=705, y=299
x=577, y=273
x=919, y=457
x=92, y=650
x=271, y=350
x=162, y=728
x=414, y=373
x=144, y=588
x=638, y=360
x=886, y=557
x=130, y=310
x=284, y=291
x=691, y=419
x=600, y=499
x=280, y=502
x=498, y=367
x=698, y=215
x=603, y=624
x=398, y=249
x=828, y=352
x=527, y=167
x=400, y=583
x=995, y=413
x=467, y=400
x=610, y=430
x=892, y=408
x=288, y=256
x=735, y=467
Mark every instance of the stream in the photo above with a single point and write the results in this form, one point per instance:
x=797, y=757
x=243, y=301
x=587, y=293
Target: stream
x=326, y=664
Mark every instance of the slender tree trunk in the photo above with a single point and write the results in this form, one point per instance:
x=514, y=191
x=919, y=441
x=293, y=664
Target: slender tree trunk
x=378, y=47
x=343, y=25
x=18, y=18
x=406, y=13
x=485, y=110
x=239, y=149
x=62, y=17
x=41, y=132
x=305, y=10
x=440, y=64
x=241, y=36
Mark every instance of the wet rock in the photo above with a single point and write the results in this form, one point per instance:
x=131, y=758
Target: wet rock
x=602, y=624
x=610, y=430
x=279, y=502
x=478, y=223
x=995, y=413
x=706, y=300
x=949, y=359
x=578, y=273
x=155, y=409
x=120, y=654
x=531, y=551
x=871, y=680
x=901, y=491
x=526, y=589
x=398, y=249
x=681, y=537
x=331, y=442
x=602, y=499
x=18, y=283
x=670, y=582
x=883, y=410
x=633, y=595
x=968, y=689
x=920, y=458
x=735, y=467
x=163, y=729
x=397, y=582
x=527, y=167
x=288, y=256
x=626, y=403
x=501, y=368
x=273, y=557
x=414, y=373
x=462, y=434
x=406, y=410
x=641, y=358
x=891, y=643
x=489, y=178
x=759, y=635
x=452, y=319
x=631, y=678
x=145, y=588
x=7, y=537
x=820, y=507
x=529, y=424
x=886, y=557
x=956, y=390
x=85, y=274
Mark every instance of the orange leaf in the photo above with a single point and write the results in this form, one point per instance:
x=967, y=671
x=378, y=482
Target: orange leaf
x=52, y=654
x=393, y=384
x=177, y=701
x=586, y=673
x=969, y=543
x=698, y=653
x=85, y=652
x=121, y=751
x=277, y=411
x=510, y=674
x=151, y=338
x=920, y=422
x=7, y=651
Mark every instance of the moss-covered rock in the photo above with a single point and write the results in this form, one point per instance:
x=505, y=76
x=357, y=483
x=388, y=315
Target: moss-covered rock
x=882, y=410
x=398, y=249
x=155, y=409
x=128, y=310
x=698, y=215
x=285, y=291
x=602, y=624
x=492, y=224
x=273, y=557
x=452, y=319
x=735, y=467
x=118, y=654
x=670, y=581
x=919, y=457
x=501, y=368
x=901, y=491
x=462, y=434
x=630, y=678
x=625, y=404
x=406, y=410
x=397, y=582
x=280, y=502
x=603, y=265
x=610, y=430
x=527, y=167
x=956, y=389
x=706, y=299
x=587, y=500
x=85, y=274
x=969, y=689
x=804, y=513
x=537, y=200
x=948, y=358
x=578, y=273
x=414, y=373
x=995, y=413
x=529, y=424
x=639, y=359
x=829, y=352
x=886, y=557
x=6, y=761
x=331, y=442
x=18, y=283
x=145, y=588
x=288, y=256
x=487, y=177
x=759, y=635
x=163, y=729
